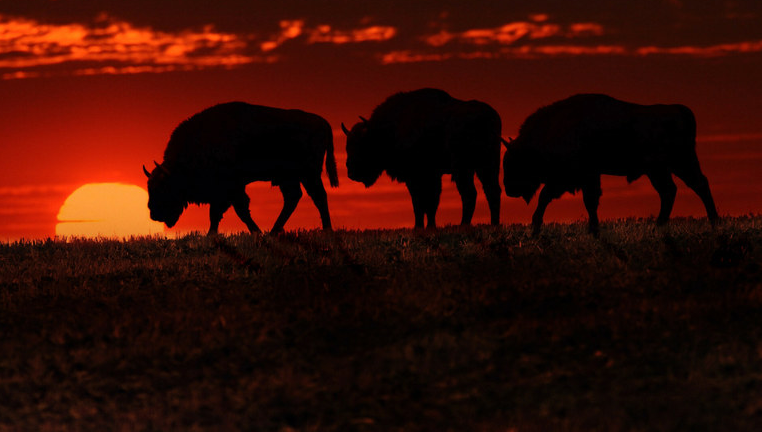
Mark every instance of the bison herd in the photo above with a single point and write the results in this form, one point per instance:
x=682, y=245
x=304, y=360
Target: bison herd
x=417, y=137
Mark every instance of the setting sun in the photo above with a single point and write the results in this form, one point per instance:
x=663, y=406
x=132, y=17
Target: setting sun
x=106, y=209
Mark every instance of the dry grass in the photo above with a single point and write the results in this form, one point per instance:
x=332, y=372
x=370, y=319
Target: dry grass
x=459, y=329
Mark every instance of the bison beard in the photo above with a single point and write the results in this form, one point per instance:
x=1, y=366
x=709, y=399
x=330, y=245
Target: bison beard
x=417, y=137
x=568, y=145
x=212, y=156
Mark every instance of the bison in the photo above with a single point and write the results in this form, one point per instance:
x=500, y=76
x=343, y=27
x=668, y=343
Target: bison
x=417, y=137
x=213, y=155
x=568, y=145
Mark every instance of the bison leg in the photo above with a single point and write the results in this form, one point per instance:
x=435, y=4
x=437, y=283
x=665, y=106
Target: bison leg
x=491, y=184
x=591, y=194
x=665, y=186
x=292, y=193
x=547, y=194
x=432, y=203
x=696, y=180
x=415, y=196
x=425, y=195
x=316, y=191
x=467, y=190
x=241, y=207
x=216, y=210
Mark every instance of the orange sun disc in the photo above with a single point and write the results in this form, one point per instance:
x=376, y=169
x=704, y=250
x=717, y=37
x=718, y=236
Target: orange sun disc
x=106, y=210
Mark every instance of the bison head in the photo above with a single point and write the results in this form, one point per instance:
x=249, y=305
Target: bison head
x=520, y=176
x=364, y=158
x=164, y=199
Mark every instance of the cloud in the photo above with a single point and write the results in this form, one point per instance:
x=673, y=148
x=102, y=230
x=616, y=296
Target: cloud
x=574, y=50
x=539, y=37
x=407, y=56
x=509, y=33
x=705, y=51
x=513, y=40
x=324, y=33
x=107, y=45
x=290, y=29
x=545, y=51
x=26, y=43
x=33, y=191
x=517, y=49
x=518, y=52
x=29, y=48
x=512, y=32
x=19, y=75
x=585, y=29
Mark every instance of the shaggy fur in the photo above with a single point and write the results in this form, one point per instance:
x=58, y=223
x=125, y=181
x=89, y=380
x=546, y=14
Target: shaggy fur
x=212, y=156
x=568, y=145
x=416, y=137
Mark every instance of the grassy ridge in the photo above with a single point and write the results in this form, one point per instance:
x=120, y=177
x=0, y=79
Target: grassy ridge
x=459, y=329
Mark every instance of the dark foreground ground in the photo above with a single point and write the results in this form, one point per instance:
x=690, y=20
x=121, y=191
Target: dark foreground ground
x=476, y=329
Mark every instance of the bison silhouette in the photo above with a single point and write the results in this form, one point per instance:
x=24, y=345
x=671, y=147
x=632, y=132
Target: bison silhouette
x=417, y=137
x=213, y=155
x=568, y=145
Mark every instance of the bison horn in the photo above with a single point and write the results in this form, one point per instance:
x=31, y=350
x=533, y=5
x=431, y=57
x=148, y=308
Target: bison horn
x=364, y=120
x=161, y=167
x=344, y=128
x=148, y=174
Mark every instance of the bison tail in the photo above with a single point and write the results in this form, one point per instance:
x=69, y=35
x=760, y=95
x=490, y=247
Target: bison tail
x=330, y=165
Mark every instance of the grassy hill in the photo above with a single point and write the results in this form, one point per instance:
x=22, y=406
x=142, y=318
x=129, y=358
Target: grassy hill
x=643, y=328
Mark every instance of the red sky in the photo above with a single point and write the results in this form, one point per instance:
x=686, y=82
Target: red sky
x=91, y=90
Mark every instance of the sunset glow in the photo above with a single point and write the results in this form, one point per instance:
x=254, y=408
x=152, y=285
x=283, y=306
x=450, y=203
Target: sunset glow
x=91, y=94
x=106, y=210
